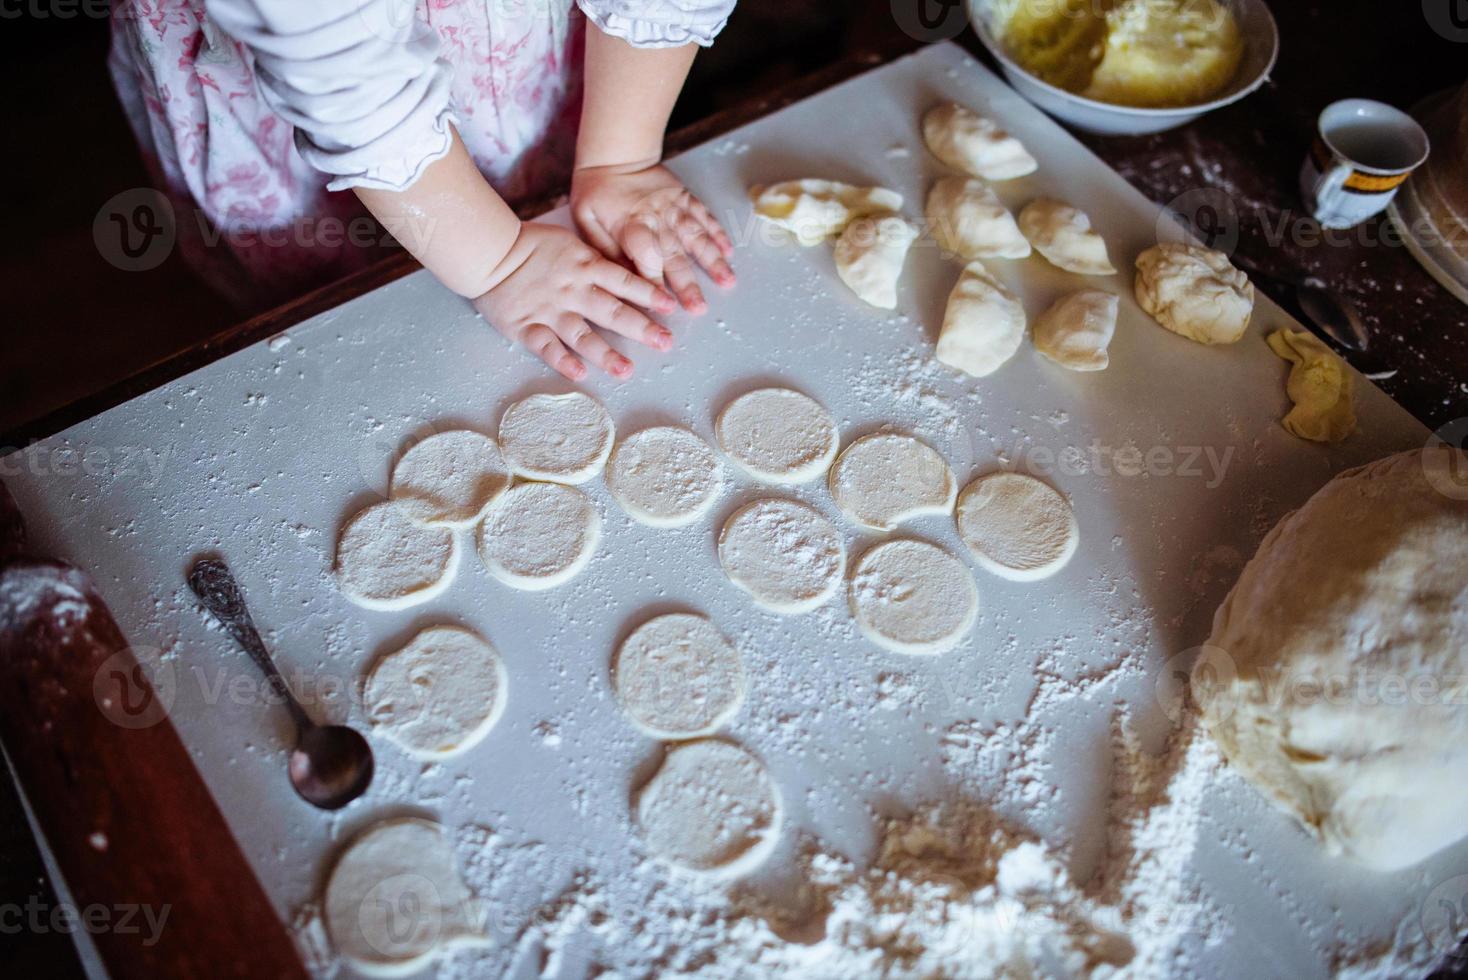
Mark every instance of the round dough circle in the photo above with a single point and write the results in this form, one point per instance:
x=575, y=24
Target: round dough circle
x=885, y=478
x=439, y=695
x=913, y=597
x=778, y=435
x=450, y=478
x=676, y=676
x=783, y=553
x=664, y=476
x=1016, y=526
x=539, y=535
x=711, y=807
x=385, y=559
x=561, y=438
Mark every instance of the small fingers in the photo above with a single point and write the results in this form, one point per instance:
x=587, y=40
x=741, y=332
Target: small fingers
x=605, y=310
x=698, y=243
x=679, y=273
x=641, y=245
x=542, y=341
x=577, y=333
x=633, y=288
x=711, y=225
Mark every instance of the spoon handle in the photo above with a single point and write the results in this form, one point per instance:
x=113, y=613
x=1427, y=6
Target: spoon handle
x=212, y=582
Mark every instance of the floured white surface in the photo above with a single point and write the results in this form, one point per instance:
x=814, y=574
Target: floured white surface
x=263, y=455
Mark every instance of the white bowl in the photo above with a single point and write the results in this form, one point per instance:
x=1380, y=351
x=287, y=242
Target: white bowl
x=1261, y=47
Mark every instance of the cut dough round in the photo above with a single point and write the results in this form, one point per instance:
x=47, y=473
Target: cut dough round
x=783, y=553
x=1077, y=329
x=1017, y=527
x=883, y=479
x=869, y=256
x=439, y=695
x=711, y=807
x=968, y=219
x=913, y=597
x=676, y=676
x=386, y=559
x=1063, y=235
x=778, y=435
x=1194, y=292
x=395, y=899
x=539, y=535
x=983, y=325
x=560, y=438
x=967, y=141
x=450, y=478
x=664, y=476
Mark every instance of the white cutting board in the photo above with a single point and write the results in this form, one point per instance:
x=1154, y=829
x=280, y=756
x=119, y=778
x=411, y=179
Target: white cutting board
x=263, y=454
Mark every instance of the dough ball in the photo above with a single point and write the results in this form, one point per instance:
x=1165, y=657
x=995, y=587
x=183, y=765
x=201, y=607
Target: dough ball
x=1319, y=385
x=394, y=899
x=539, y=535
x=975, y=145
x=1063, y=235
x=559, y=438
x=967, y=219
x=777, y=435
x=711, y=807
x=664, y=476
x=983, y=325
x=1077, y=329
x=439, y=695
x=913, y=597
x=1195, y=292
x=783, y=553
x=869, y=257
x=814, y=210
x=883, y=479
x=386, y=559
x=450, y=478
x=676, y=676
x=1016, y=526
x=1336, y=665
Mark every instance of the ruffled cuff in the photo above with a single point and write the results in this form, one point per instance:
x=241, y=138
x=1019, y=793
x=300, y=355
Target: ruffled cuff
x=659, y=23
x=392, y=163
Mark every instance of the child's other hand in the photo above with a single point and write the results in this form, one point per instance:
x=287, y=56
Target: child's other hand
x=551, y=287
x=648, y=218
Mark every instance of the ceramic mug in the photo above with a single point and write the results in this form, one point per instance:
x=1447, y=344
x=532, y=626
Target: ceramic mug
x=1363, y=152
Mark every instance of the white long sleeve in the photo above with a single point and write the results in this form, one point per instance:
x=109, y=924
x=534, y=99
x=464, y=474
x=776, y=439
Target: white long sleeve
x=659, y=23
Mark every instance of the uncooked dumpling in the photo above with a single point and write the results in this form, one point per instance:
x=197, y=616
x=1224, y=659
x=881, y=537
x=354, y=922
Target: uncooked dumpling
x=983, y=325
x=869, y=257
x=885, y=478
x=1076, y=330
x=439, y=695
x=814, y=210
x=975, y=145
x=1064, y=235
x=1195, y=292
x=968, y=220
x=1319, y=385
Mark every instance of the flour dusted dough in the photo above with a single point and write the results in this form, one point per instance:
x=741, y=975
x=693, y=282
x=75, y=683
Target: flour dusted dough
x=386, y=559
x=1319, y=385
x=975, y=145
x=1064, y=235
x=783, y=553
x=676, y=676
x=1016, y=526
x=1337, y=664
x=539, y=535
x=869, y=257
x=885, y=478
x=777, y=435
x=1077, y=329
x=913, y=597
x=1195, y=292
x=450, y=478
x=711, y=807
x=983, y=325
x=814, y=210
x=560, y=438
x=968, y=220
x=664, y=476
x=395, y=899
x=439, y=695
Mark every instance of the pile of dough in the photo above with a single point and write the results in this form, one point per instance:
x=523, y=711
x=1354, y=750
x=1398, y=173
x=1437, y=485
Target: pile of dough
x=813, y=210
x=1319, y=385
x=983, y=325
x=676, y=676
x=885, y=478
x=869, y=257
x=560, y=438
x=450, y=478
x=913, y=597
x=539, y=535
x=1334, y=676
x=439, y=695
x=1076, y=330
x=1064, y=235
x=711, y=807
x=1195, y=292
x=777, y=435
x=975, y=145
x=1016, y=526
x=664, y=476
x=387, y=559
x=783, y=553
x=967, y=219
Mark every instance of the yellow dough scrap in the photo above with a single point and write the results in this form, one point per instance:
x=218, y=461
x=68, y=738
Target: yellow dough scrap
x=1319, y=385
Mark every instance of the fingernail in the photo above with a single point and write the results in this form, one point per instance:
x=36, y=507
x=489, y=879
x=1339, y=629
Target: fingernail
x=621, y=367
x=666, y=302
x=663, y=339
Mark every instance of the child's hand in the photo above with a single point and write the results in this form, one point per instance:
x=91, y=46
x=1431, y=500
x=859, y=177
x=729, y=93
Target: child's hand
x=550, y=284
x=647, y=217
